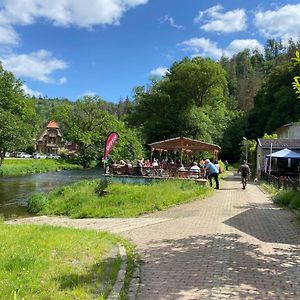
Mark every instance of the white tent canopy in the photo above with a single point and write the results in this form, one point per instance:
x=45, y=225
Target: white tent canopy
x=285, y=153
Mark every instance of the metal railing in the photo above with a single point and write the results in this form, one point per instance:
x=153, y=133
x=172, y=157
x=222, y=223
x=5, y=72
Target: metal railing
x=285, y=182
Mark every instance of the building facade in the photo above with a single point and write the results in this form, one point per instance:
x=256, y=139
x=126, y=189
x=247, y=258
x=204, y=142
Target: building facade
x=50, y=140
x=269, y=146
x=289, y=131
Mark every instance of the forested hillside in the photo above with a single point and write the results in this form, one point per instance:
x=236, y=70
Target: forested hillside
x=247, y=95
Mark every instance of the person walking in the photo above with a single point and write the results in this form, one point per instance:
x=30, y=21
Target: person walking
x=245, y=173
x=226, y=164
x=213, y=172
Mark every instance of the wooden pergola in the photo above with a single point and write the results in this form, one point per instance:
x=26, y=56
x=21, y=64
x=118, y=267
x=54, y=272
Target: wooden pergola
x=183, y=144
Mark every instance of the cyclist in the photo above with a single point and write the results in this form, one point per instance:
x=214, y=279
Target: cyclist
x=245, y=173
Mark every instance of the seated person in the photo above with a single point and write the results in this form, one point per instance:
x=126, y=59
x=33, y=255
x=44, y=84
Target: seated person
x=147, y=163
x=195, y=168
x=181, y=168
x=122, y=162
x=155, y=163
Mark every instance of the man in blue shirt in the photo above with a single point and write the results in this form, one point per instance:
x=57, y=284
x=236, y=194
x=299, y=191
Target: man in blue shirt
x=213, y=172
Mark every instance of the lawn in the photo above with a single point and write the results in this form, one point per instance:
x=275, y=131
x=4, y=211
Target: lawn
x=81, y=200
x=23, y=166
x=44, y=262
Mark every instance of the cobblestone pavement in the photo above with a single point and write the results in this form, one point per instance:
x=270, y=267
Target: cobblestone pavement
x=233, y=245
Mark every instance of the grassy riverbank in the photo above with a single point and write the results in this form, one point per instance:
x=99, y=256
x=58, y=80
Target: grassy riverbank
x=17, y=167
x=43, y=262
x=81, y=200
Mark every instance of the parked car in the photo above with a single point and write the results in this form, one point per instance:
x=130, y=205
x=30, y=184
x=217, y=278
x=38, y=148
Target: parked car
x=53, y=156
x=23, y=155
x=39, y=156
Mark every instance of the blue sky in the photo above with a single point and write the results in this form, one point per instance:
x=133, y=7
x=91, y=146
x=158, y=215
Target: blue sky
x=73, y=48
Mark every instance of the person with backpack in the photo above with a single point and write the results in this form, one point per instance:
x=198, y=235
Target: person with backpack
x=245, y=173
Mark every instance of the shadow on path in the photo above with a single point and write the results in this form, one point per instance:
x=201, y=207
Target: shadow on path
x=219, y=266
x=267, y=223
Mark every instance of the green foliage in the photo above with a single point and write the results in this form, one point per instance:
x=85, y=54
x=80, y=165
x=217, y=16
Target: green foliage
x=123, y=200
x=43, y=262
x=17, y=167
x=17, y=115
x=190, y=101
x=86, y=124
x=275, y=103
x=296, y=83
x=289, y=198
x=270, y=136
x=101, y=187
x=37, y=202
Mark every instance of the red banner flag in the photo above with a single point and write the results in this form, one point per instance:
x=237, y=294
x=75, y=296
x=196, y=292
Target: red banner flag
x=110, y=141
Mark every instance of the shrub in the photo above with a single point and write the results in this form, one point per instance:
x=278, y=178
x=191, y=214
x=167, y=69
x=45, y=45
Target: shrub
x=101, y=187
x=288, y=198
x=36, y=202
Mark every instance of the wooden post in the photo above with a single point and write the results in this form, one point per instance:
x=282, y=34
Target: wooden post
x=151, y=155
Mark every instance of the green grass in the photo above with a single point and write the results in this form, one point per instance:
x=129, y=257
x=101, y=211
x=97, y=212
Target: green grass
x=81, y=201
x=290, y=198
x=268, y=188
x=17, y=167
x=44, y=262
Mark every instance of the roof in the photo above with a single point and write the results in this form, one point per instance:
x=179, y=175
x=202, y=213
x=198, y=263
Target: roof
x=279, y=143
x=52, y=124
x=286, y=126
x=285, y=153
x=184, y=144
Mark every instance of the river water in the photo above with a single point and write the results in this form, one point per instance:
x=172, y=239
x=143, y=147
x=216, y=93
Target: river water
x=15, y=191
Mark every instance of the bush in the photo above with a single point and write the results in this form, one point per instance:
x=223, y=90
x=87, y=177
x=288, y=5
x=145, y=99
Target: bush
x=295, y=200
x=101, y=187
x=36, y=202
x=289, y=198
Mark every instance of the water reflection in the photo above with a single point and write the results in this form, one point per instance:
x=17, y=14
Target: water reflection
x=15, y=191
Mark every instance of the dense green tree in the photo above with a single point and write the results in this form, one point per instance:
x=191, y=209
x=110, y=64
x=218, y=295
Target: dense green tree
x=275, y=103
x=17, y=115
x=87, y=124
x=191, y=101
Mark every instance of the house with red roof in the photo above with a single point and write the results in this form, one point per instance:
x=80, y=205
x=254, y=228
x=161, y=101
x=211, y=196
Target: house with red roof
x=50, y=140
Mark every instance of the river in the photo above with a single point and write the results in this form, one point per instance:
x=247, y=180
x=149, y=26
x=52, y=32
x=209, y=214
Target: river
x=15, y=191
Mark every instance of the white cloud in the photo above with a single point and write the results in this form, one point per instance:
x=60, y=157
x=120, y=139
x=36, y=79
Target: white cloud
x=215, y=20
x=202, y=46
x=36, y=65
x=30, y=92
x=283, y=23
x=63, y=80
x=81, y=13
x=160, y=71
x=207, y=48
x=171, y=21
x=8, y=36
x=88, y=93
x=239, y=45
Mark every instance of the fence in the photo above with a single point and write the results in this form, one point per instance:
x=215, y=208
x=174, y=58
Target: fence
x=285, y=182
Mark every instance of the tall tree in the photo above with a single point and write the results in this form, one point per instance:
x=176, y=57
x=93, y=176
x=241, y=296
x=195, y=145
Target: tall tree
x=87, y=124
x=191, y=97
x=17, y=115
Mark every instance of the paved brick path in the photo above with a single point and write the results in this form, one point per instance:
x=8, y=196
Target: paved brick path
x=234, y=245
